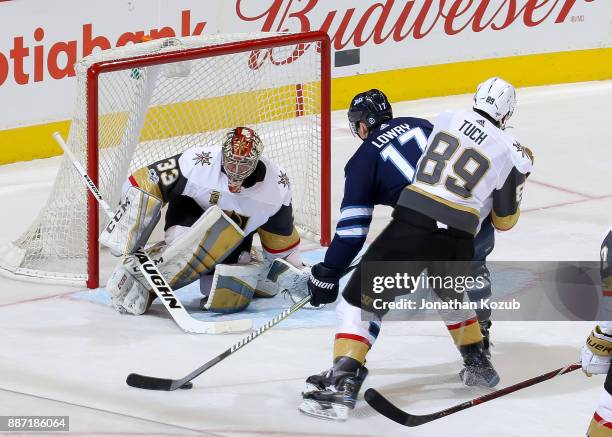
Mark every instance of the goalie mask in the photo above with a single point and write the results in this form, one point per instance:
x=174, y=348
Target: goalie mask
x=241, y=149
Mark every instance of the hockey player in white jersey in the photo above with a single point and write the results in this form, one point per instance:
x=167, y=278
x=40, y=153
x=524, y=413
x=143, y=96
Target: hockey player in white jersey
x=597, y=352
x=216, y=198
x=471, y=169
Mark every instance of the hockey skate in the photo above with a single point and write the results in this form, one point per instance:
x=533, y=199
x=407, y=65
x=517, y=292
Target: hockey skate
x=332, y=393
x=477, y=370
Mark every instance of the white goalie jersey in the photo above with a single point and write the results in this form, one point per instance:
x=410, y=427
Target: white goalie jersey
x=194, y=180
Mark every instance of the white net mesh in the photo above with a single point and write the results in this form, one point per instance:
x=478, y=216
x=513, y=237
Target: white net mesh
x=146, y=114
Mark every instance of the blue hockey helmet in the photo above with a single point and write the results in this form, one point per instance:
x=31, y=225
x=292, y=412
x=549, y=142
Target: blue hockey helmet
x=371, y=107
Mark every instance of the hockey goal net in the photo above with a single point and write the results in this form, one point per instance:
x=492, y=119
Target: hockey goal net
x=148, y=101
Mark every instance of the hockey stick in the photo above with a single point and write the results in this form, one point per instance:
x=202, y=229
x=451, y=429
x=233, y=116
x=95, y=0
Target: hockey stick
x=150, y=272
x=154, y=383
x=387, y=409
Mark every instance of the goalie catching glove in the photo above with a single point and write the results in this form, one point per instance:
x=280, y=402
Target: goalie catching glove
x=323, y=285
x=596, y=353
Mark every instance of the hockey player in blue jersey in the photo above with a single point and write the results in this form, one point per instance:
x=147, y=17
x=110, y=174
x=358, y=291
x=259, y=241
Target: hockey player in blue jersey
x=375, y=175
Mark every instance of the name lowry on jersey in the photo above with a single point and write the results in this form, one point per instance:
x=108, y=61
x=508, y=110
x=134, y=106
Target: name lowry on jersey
x=389, y=135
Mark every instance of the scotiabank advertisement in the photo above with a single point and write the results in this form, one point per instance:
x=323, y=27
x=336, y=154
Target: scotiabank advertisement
x=41, y=40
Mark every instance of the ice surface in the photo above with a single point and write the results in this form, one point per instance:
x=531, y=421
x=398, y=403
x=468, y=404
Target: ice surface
x=65, y=351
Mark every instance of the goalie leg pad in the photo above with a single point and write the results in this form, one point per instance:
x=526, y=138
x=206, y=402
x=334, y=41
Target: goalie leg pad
x=198, y=250
x=233, y=287
x=133, y=222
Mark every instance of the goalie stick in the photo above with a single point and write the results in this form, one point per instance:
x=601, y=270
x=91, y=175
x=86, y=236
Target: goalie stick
x=150, y=272
x=154, y=383
x=387, y=409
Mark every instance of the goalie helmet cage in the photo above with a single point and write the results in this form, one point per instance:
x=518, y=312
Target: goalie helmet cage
x=150, y=101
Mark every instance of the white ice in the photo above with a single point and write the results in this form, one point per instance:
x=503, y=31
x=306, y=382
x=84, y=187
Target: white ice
x=64, y=352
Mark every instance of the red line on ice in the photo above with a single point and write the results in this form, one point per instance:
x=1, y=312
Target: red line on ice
x=556, y=187
x=571, y=202
x=34, y=299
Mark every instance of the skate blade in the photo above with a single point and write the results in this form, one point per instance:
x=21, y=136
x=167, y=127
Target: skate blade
x=324, y=410
x=310, y=388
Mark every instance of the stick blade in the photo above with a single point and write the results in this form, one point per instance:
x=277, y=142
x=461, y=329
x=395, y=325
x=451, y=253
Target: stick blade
x=230, y=326
x=387, y=409
x=152, y=383
x=194, y=326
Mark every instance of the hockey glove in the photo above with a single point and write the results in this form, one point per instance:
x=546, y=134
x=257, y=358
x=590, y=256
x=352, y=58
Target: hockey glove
x=323, y=285
x=596, y=353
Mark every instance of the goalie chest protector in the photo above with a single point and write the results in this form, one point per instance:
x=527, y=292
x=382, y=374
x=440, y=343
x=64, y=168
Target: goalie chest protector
x=207, y=184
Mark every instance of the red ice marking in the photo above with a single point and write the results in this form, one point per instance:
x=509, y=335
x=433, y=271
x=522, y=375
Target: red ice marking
x=122, y=433
x=202, y=432
x=285, y=433
x=35, y=299
x=571, y=202
x=564, y=190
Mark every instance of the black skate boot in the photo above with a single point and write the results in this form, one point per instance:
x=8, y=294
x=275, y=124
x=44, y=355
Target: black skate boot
x=330, y=394
x=477, y=369
x=485, y=326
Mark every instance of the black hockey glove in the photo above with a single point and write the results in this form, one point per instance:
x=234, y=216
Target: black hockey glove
x=323, y=285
